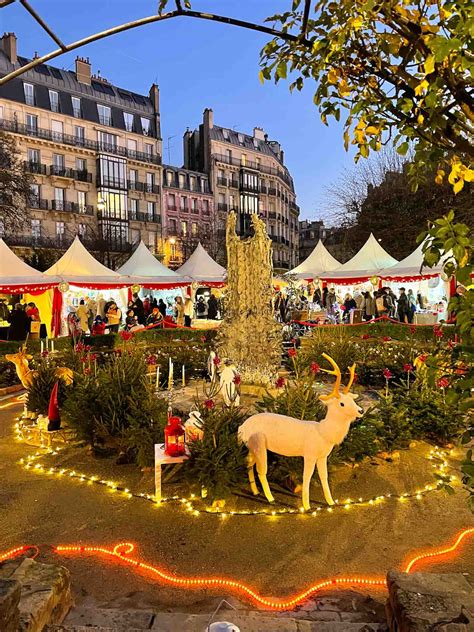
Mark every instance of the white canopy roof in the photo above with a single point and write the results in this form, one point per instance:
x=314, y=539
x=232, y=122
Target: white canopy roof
x=15, y=274
x=145, y=269
x=202, y=268
x=409, y=268
x=370, y=259
x=318, y=262
x=79, y=267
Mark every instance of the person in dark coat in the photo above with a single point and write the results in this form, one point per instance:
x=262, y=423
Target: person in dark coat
x=19, y=324
x=161, y=306
x=138, y=309
x=212, y=307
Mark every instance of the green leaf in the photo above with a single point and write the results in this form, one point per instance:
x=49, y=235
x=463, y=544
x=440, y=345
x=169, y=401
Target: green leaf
x=403, y=148
x=281, y=70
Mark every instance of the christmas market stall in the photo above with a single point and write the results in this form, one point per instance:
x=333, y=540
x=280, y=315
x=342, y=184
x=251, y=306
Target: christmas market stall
x=317, y=263
x=83, y=278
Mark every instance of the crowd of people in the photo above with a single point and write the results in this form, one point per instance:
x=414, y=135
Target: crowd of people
x=23, y=319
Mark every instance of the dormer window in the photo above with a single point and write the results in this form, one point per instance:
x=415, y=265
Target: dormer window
x=128, y=118
x=241, y=139
x=54, y=100
x=145, y=126
x=226, y=134
x=76, y=107
x=29, y=90
x=105, y=114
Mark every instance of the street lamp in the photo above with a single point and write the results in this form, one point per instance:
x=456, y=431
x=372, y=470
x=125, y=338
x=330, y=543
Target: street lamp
x=172, y=241
x=101, y=205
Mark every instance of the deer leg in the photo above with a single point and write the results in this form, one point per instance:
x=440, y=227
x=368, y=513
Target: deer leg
x=323, y=477
x=257, y=445
x=251, y=473
x=307, y=474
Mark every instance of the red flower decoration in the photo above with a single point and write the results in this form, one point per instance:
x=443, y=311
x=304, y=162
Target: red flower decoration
x=365, y=336
x=217, y=361
x=442, y=383
x=412, y=329
x=280, y=383
x=292, y=352
x=93, y=357
x=203, y=339
x=84, y=359
x=315, y=368
x=422, y=357
x=408, y=368
x=151, y=359
x=44, y=354
x=438, y=332
x=79, y=347
x=125, y=335
x=209, y=404
x=451, y=343
x=237, y=379
x=386, y=338
x=87, y=348
x=87, y=371
x=387, y=374
x=293, y=341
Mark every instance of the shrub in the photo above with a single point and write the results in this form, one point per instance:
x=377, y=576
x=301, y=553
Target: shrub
x=39, y=392
x=8, y=376
x=217, y=463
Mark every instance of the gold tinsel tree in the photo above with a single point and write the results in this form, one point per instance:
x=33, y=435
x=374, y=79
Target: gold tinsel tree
x=249, y=336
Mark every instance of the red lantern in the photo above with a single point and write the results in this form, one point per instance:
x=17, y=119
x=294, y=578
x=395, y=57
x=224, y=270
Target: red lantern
x=174, y=437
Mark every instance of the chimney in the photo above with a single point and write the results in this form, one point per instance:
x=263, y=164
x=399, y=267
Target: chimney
x=9, y=46
x=208, y=118
x=154, y=95
x=259, y=133
x=83, y=70
x=187, y=149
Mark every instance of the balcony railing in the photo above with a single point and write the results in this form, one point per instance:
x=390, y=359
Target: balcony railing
x=60, y=170
x=34, y=167
x=113, y=183
x=222, y=207
x=272, y=191
x=61, y=205
x=134, y=185
x=68, y=139
x=35, y=202
x=82, y=209
x=234, y=183
x=222, y=182
x=139, y=216
x=280, y=173
x=63, y=242
x=152, y=188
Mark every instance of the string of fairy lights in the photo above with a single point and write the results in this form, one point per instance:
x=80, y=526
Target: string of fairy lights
x=195, y=506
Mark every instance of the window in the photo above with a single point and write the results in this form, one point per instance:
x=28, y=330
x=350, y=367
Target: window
x=33, y=156
x=35, y=195
x=169, y=178
x=81, y=230
x=133, y=207
x=243, y=159
x=172, y=228
x=228, y=154
x=131, y=145
x=184, y=203
x=1, y=112
x=81, y=164
x=81, y=201
x=150, y=207
x=194, y=229
x=54, y=100
x=171, y=201
x=107, y=141
x=59, y=230
x=105, y=115
x=57, y=130
x=145, y=126
x=184, y=229
x=181, y=180
x=36, y=228
x=150, y=182
x=29, y=90
x=149, y=150
x=241, y=138
x=128, y=118
x=205, y=206
x=79, y=134
x=58, y=199
x=192, y=183
x=76, y=107
x=112, y=173
x=231, y=202
x=58, y=162
x=221, y=198
x=194, y=205
x=31, y=121
x=226, y=134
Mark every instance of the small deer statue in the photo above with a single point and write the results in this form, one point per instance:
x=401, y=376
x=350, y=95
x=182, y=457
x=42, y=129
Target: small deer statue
x=312, y=440
x=26, y=375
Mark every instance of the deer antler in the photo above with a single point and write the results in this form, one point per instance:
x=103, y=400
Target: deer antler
x=351, y=378
x=337, y=373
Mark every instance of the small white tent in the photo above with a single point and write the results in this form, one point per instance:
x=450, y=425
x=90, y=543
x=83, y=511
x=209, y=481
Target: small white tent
x=411, y=268
x=202, y=268
x=143, y=268
x=317, y=263
x=78, y=267
x=370, y=259
x=17, y=277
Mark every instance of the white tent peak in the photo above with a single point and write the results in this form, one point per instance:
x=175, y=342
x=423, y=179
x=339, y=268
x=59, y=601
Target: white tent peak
x=202, y=268
x=369, y=260
x=78, y=264
x=13, y=266
x=411, y=265
x=143, y=263
x=318, y=262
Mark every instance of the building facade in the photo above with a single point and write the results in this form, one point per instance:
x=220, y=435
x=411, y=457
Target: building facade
x=94, y=151
x=247, y=175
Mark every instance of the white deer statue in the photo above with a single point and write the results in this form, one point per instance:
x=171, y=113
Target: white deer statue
x=312, y=440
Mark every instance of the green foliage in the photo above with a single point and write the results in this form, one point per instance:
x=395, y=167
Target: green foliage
x=8, y=376
x=39, y=392
x=218, y=463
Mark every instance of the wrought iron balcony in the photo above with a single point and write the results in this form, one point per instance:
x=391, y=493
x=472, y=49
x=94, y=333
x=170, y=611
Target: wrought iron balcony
x=222, y=182
x=35, y=202
x=34, y=167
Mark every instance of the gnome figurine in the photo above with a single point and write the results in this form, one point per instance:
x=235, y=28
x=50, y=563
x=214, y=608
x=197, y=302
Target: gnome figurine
x=53, y=410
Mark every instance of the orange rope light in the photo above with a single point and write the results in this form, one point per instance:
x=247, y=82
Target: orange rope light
x=438, y=552
x=123, y=550
x=13, y=403
x=13, y=552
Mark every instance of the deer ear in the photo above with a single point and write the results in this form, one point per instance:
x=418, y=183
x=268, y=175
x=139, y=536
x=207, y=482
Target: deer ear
x=29, y=357
x=354, y=395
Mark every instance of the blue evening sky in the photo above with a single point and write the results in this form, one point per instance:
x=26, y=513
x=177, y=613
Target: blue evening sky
x=196, y=64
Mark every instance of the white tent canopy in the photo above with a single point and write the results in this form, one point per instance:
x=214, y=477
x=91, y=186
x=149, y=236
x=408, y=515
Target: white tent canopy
x=409, y=268
x=370, y=259
x=317, y=263
x=79, y=267
x=202, y=268
x=143, y=268
x=16, y=275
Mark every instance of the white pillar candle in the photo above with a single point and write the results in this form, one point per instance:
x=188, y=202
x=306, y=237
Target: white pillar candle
x=157, y=380
x=184, y=378
x=42, y=346
x=170, y=375
x=52, y=345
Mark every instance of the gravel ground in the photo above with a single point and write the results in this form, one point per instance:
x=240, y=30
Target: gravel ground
x=277, y=556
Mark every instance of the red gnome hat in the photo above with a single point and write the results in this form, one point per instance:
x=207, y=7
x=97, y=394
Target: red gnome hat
x=53, y=410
